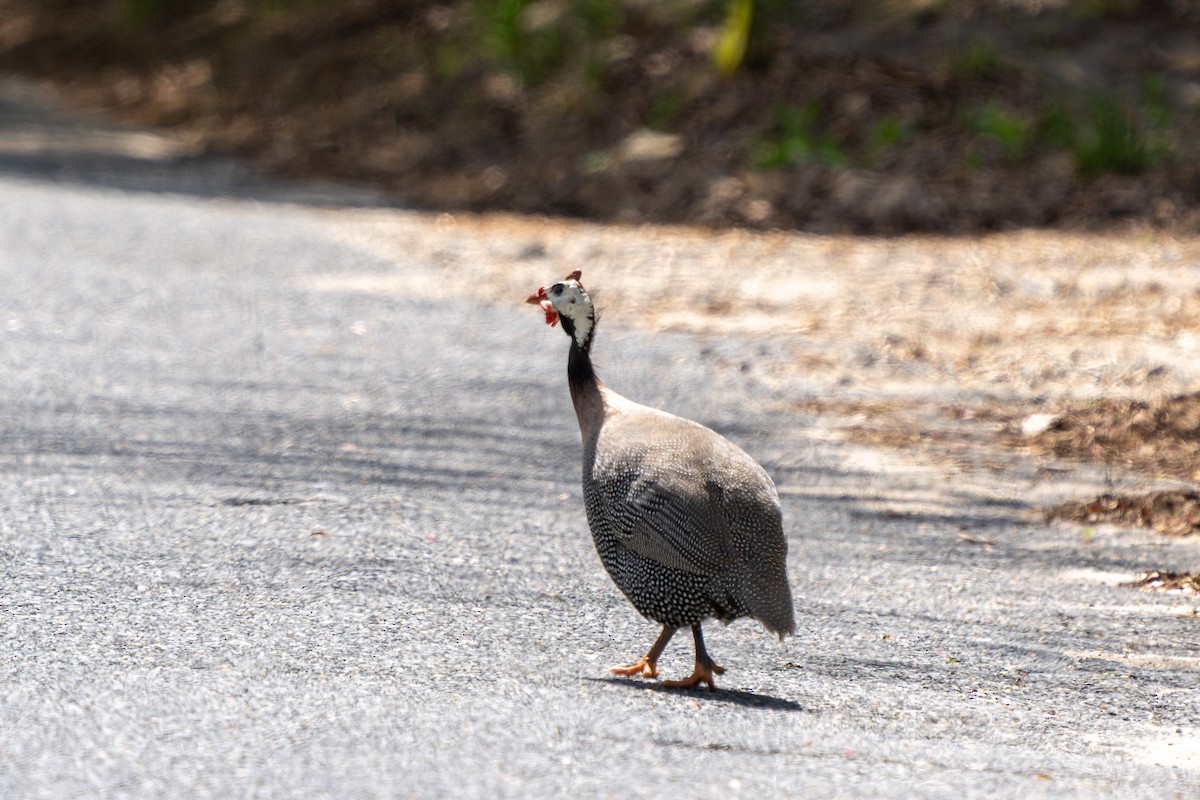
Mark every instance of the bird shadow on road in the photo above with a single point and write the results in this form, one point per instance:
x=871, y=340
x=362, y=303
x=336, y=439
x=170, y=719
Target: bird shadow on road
x=737, y=697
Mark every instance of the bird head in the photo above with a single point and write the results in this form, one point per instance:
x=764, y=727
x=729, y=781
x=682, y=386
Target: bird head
x=569, y=301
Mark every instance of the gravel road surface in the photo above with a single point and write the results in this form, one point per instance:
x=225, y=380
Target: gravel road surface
x=267, y=530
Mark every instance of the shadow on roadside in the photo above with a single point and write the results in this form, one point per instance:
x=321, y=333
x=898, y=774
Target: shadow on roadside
x=39, y=140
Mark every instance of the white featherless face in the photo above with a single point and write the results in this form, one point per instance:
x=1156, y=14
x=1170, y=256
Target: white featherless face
x=572, y=301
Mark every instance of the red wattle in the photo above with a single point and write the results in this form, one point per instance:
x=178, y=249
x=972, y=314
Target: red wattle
x=551, y=314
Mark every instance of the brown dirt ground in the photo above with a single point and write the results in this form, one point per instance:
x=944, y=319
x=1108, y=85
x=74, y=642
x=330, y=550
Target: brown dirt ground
x=635, y=125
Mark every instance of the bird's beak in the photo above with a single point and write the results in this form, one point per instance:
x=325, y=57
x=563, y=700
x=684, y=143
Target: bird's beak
x=539, y=298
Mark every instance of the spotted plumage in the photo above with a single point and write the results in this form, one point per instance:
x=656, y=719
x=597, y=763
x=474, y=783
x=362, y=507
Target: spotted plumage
x=687, y=524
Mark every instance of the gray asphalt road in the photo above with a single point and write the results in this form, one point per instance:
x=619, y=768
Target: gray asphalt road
x=264, y=539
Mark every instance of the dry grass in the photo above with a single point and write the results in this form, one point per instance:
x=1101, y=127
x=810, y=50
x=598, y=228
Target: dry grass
x=1174, y=513
x=1184, y=582
x=1160, y=437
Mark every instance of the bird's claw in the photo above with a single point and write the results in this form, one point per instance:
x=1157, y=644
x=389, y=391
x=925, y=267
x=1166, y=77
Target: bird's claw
x=643, y=666
x=703, y=673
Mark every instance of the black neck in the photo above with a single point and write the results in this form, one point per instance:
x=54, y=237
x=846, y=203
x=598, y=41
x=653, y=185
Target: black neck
x=580, y=374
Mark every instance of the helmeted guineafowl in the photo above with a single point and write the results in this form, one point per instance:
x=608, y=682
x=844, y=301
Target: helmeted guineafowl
x=688, y=526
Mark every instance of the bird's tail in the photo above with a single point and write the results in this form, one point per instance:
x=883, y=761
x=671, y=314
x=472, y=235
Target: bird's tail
x=764, y=592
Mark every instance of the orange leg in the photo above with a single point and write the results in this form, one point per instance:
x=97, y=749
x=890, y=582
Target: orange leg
x=647, y=665
x=706, y=668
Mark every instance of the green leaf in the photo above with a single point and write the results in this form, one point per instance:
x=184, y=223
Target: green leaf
x=735, y=33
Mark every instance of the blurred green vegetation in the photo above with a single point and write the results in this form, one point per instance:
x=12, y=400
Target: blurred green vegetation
x=1011, y=129
x=533, y=39
x=979, y=60
x=147, y=12
x=792, y=138
x=885, y=134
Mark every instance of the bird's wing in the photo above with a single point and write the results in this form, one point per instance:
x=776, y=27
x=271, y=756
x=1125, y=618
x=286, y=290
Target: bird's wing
x=678, y=526
x=663, y=507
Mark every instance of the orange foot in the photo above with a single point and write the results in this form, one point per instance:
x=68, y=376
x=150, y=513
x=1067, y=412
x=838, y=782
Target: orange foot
x=704, y=672
x=645, y=667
